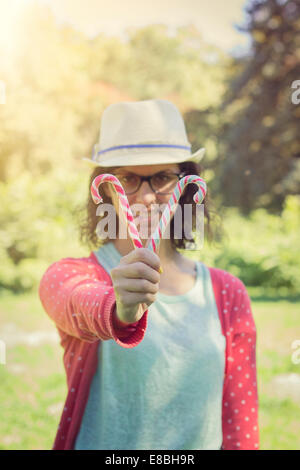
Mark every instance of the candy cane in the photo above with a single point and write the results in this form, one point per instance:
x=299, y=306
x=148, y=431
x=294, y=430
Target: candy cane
x=153, y=245
x=106, y=177
x=198, y=197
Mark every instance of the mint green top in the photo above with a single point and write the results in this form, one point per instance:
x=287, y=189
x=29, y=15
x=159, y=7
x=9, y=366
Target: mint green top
x=166, y=393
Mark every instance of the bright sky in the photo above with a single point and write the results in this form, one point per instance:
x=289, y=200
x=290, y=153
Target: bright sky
x=214, y=18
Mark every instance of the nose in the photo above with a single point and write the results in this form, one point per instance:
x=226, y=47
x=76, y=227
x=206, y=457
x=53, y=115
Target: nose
x=145, y=195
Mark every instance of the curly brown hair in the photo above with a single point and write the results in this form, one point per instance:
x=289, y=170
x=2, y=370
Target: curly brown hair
x=88, y=219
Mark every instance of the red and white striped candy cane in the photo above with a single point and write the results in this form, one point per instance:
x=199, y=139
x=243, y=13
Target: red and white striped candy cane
x=198, y=197
x=106, y=177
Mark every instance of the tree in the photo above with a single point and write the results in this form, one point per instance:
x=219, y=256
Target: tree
x=259, y=151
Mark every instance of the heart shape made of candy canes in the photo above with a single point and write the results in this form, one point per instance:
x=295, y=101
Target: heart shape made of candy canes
x=153, y=244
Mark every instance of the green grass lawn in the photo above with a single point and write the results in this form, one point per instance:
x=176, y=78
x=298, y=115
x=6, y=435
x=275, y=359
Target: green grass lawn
x=33, y=385
x=278, y=325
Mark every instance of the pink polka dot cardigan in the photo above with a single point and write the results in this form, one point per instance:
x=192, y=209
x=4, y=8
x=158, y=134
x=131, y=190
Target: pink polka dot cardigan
x=78, y=295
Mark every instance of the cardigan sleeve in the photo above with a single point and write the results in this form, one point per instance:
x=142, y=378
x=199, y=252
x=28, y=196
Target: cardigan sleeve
x=76, y=296
x=240, y=397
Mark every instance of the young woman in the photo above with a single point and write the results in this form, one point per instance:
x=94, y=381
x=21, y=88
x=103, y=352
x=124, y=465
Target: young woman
x=154, y=360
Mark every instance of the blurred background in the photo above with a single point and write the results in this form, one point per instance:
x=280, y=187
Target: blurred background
x=232, y=70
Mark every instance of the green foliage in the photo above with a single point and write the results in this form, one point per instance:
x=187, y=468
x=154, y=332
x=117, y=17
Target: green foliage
x=263, y=249
x=37, y=226
x=259, y=138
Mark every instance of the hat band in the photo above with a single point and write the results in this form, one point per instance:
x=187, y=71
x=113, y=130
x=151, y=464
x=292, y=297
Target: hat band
x=143, y=146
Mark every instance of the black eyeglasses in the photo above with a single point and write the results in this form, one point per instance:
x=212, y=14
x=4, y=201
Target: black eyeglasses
x=161, y=183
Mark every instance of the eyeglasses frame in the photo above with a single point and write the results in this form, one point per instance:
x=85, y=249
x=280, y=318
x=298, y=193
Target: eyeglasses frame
x=148, y=179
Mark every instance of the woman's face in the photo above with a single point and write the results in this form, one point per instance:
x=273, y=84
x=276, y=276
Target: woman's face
x=144, y=196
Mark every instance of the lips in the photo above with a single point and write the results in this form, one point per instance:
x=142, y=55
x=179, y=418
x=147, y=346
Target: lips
x=148, y=217
x=144, y=220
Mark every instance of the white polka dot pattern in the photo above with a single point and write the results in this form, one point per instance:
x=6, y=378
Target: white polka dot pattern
x=240, y=397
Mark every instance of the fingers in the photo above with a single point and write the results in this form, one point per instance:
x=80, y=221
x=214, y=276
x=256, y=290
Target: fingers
x=137, y=270
x=133, y=298
x=143, y=255
x=138, y=285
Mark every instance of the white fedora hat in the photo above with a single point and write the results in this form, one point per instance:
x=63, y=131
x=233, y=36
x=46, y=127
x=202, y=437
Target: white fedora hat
x=142, y=133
